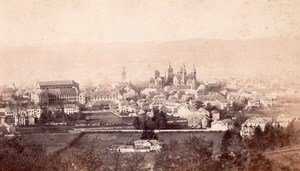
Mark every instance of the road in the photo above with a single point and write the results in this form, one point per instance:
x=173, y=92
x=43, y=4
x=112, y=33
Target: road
x=282, y=151
x=103, y=130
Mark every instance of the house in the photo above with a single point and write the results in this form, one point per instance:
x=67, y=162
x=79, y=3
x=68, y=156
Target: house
x=70, y=108
x=222, y=125
x=215, y=115
x=140, y=146
x=34, y=112
x=183, y=111
x=103, y=95
x=100, y=105
x=145, y=104
x=214, y=99
x=22, y=117
x=149, y=92
x=266, y=102
x=248, y=127
x=123, y=106
x=253, y=103
x=7, y=111
x=172, y=107
x=82, y=98
x=283, y=120
x=196, y=119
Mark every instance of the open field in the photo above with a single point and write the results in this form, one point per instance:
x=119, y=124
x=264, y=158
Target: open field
x=109, y=140
x=51, y=141
x=43, y=129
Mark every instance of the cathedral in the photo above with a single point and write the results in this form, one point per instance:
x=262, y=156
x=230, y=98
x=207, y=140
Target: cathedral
x=181, y=78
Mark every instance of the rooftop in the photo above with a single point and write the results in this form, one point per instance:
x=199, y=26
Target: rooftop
x=53, y=83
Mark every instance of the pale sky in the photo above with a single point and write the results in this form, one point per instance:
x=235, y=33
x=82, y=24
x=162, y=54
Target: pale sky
x=91, y=40
x=38, y=22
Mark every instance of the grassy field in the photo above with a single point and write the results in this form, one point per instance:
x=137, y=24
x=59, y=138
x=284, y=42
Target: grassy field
x=109, y=140
x=51, y=141
x=43, y=129
x=56, y=141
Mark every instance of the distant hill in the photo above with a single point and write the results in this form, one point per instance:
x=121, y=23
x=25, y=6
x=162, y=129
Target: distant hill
x=98, y=62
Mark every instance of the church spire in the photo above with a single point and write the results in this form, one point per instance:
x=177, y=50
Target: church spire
x=123, y=74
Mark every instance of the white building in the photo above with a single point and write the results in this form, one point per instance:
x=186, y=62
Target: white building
x=26, y=116
x=266, y=102
x=283, y=120
x=248, y=127
x=71, y=109
x=123, y=106
x=222, y=125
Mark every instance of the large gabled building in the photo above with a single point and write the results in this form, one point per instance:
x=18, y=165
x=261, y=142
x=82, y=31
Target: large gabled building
x=57, y=92
x=62, y=84
x=180, y=78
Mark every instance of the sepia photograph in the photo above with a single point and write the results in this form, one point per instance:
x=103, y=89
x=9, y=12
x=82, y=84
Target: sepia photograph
x=150, y=85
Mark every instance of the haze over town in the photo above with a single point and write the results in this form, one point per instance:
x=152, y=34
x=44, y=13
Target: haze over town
x=91, y=41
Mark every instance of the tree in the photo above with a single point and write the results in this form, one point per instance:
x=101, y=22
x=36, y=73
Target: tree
x=148, y=134
x=159, y=119
x=199, y=104
x=193, y=153
x=46, y=117
x=136, y=123
x=291, y=135
x=210, y=107
x=238, y=106
x=226, y=141
x=17, y=154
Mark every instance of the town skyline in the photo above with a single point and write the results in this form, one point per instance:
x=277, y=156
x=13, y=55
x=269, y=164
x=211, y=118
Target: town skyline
x=101, y=62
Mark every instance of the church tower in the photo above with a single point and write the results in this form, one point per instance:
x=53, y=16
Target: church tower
x=169, y=75
x=194, y=79
x=123, y=74
x=184, y=76
x=194, y=73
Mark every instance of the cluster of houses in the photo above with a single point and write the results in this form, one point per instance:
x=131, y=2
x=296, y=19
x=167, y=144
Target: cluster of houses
x=23, y=116
x=176, y=98
x=248, y=127
x=177, y=101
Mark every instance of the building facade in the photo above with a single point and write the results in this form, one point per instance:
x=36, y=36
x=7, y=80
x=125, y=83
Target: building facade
x=57, y=92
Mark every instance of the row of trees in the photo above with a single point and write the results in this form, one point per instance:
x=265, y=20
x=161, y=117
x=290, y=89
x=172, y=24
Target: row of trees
x=158, y=121
x=193, y=153
x=48, y=117
x=21, y=155
x=272, y=137
x=246, y=154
